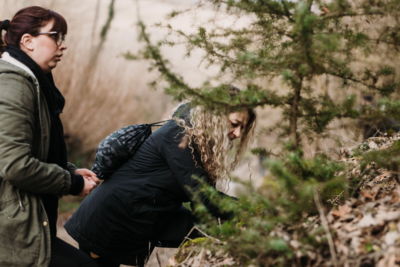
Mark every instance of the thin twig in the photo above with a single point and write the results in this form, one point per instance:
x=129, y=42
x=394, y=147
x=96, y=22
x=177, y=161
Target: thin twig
x=203, y=233
x=187, y=258
x=337, y=15
x=325, y=224
x=158, y=259
x=95, y=21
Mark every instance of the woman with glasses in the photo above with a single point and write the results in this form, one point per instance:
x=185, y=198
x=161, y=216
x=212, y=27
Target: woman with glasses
x=34, y=171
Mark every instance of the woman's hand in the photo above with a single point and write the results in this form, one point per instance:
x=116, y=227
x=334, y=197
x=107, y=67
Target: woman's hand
x=88, y=186
x=90, y=181
x=88, y=174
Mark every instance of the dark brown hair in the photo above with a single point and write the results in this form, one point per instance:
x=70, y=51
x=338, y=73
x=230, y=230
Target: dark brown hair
x=30, y=20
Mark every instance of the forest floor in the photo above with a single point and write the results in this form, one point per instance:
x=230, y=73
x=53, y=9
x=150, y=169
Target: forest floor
x=366, y=228
x=363, y=230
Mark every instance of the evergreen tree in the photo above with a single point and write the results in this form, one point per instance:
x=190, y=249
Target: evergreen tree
x=296, y=42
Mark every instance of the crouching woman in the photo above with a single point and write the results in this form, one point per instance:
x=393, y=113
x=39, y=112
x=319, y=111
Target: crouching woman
x=140, y=205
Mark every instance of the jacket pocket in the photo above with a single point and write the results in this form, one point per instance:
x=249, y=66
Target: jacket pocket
x=13, y=221
x=20, y=239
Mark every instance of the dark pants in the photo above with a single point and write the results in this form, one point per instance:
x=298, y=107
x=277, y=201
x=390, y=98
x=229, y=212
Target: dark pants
x=169, y=231
x=65, y=255
x=104, y=262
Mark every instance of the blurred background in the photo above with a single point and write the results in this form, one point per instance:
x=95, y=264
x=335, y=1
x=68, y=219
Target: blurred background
x=103, y=89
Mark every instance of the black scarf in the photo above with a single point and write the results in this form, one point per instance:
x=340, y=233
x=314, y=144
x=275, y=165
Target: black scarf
x=55, y=103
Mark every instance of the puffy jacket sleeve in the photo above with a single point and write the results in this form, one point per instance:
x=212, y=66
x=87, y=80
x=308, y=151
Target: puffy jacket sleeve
x=18, y=165
x=180, y=161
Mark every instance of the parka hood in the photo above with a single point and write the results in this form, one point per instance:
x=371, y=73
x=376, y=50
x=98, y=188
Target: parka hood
x=8, y=67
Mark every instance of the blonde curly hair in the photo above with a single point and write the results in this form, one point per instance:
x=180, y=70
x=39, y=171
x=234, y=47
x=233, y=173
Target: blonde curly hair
x=206, y=132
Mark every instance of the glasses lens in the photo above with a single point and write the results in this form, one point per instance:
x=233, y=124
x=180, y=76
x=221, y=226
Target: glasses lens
x=58, y=38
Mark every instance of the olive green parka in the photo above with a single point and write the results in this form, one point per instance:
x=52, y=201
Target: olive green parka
x=24, y=174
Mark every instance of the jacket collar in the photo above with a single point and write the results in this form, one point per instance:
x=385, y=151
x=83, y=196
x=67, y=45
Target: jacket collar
x=6, y=57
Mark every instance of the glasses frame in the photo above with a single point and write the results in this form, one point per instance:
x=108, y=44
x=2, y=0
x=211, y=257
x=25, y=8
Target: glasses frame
x=59, y=38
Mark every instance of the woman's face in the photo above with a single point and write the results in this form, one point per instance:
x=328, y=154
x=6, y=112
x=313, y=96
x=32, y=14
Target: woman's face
x=237, y=123
x=43, y=48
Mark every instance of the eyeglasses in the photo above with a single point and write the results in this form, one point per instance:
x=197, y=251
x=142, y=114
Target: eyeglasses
x=58, y=37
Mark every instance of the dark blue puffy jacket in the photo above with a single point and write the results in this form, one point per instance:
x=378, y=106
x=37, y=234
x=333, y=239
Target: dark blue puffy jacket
x=142, y=201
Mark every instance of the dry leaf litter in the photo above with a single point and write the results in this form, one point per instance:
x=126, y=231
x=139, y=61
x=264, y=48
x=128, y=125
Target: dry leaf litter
x=365, y=230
